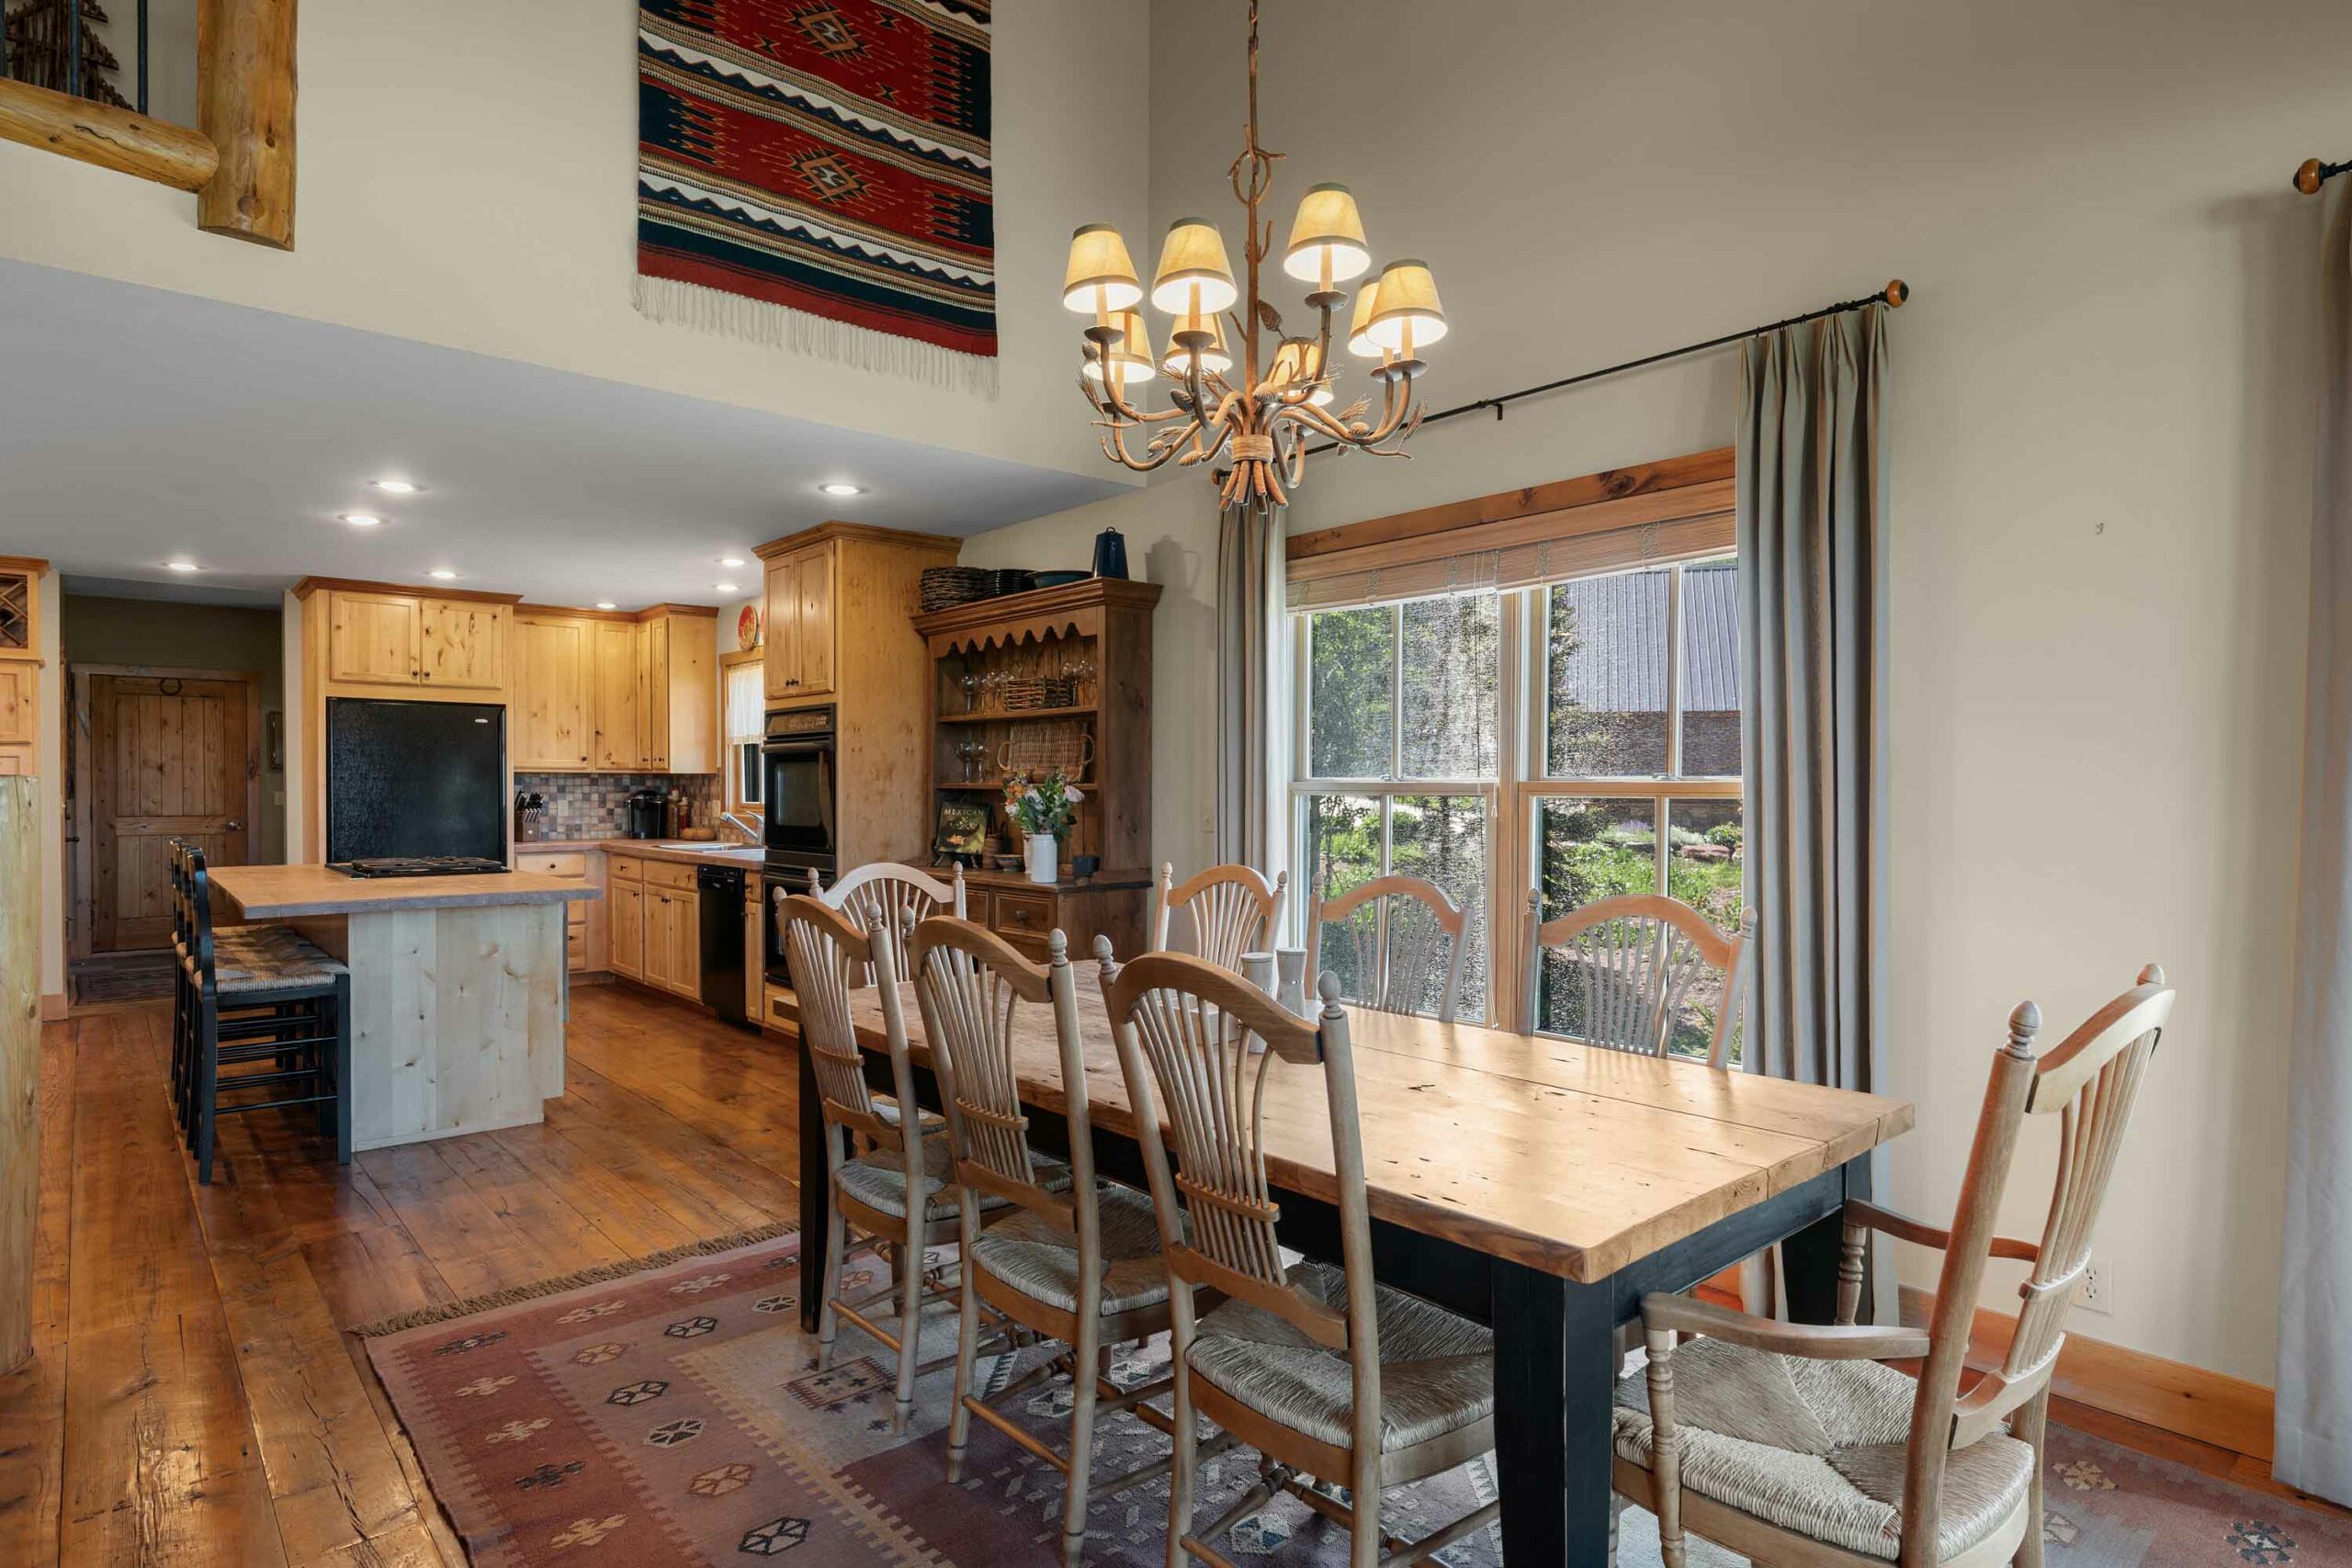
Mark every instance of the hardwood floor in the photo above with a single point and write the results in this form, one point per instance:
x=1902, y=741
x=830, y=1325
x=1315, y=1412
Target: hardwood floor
x=194, y=1399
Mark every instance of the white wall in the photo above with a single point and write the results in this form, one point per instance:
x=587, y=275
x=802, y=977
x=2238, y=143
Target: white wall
x=467, y=177
x=2101, y=415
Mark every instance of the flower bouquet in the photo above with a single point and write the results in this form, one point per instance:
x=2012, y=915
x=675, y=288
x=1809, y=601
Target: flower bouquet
x=1043, y=811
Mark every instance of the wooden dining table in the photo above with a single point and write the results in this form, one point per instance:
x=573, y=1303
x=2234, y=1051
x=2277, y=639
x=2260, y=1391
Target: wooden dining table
x=1536, y=1185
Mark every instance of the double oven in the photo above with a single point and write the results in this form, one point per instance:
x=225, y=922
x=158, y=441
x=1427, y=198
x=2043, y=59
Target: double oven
x=798, y=762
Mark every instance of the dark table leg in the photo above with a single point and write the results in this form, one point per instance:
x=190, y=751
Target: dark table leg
x=815, y=1193
x=1809, y=1256
x=1556, y=1370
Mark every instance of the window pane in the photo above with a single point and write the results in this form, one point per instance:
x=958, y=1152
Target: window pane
x=1710, y=670
x=1441, y=838
x=1342, y=842
x=1705, y=869
x=1606, y=663
x=1350, y=704
x=1451, y=674
x=1591, y=850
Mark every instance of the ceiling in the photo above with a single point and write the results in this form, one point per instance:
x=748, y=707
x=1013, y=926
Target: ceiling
x=138, y=427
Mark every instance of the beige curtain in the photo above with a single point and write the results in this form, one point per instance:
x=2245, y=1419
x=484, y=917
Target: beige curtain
x=1248, y=585
x=2314, y=1408
x=1811, y=515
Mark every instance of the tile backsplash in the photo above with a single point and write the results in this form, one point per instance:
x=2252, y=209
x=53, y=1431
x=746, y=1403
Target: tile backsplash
x=594, y=805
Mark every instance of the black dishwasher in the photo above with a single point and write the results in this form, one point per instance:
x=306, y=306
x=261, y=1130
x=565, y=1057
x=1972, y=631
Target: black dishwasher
x=719, y=889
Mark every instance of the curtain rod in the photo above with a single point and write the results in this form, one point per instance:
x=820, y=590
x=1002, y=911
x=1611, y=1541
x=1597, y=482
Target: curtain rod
x=2312, y=173
x=1892, y=296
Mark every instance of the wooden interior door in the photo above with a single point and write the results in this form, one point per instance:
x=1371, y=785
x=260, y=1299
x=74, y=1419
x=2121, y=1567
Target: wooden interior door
x=171, y=757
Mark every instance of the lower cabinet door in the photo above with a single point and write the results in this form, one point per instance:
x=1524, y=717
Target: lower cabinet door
x=628, y=931
x=686, y=946
x=661, y=921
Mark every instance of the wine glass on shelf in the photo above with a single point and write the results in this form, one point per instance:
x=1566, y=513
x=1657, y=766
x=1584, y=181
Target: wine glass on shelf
x=970, y=681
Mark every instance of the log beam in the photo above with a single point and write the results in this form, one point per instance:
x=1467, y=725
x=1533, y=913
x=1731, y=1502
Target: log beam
x=245, y=104
x=109, y=137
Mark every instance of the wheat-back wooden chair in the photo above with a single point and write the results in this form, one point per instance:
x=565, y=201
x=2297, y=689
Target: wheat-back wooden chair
x=1405, y=935
x=1077, y=1262
x=902, y=1194
x=1638, y=963
x=1233, y=909
x=901, y=896
x=1886, y=1466
x=1298, y=1361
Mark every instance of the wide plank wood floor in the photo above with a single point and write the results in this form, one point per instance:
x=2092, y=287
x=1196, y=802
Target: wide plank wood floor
x=195, y=1400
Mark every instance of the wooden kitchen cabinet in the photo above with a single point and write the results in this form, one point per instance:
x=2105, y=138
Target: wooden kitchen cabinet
x=19, y=703
x=615, y=680
x=552, y=729
x=800, y=621
x=372, y=638
x=462, y=644
x=627, y=938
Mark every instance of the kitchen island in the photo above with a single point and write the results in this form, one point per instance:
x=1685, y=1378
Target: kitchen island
x=459, y=991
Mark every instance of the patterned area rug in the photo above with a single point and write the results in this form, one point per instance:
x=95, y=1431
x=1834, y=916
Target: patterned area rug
x=127, y=977
x=817, y=174
x=676, y=1417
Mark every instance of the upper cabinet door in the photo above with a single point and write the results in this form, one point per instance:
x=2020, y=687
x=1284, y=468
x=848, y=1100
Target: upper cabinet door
x=551, y=729
x=614, y=678
x=464, y=644
x=783, y=630
x=814, y=621
x=654, y=692
x=373, y=637
x=19, y=686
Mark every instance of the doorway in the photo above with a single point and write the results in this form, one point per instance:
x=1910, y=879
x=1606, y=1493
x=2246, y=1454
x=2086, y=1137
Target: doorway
x=161, y=754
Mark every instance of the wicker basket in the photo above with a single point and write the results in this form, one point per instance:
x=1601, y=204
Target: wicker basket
x=944, y=587
x=1028, y=694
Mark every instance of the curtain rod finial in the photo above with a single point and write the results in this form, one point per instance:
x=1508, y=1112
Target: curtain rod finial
x=1895, y=293
x=2309, y=177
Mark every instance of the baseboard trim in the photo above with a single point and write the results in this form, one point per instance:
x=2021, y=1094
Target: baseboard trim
x=2189, y=1402
x=52, y=1007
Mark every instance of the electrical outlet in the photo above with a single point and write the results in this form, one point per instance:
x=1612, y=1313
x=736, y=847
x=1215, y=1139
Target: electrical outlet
x=2095, y=1292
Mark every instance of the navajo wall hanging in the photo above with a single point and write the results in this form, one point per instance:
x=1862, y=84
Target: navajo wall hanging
x=814, y=174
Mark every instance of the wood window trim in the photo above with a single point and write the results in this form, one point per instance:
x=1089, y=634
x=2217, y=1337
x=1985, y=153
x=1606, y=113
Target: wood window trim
x=727, y=665
x=1696, y=488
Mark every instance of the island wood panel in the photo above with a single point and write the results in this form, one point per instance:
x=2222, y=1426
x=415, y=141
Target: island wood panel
x=20, y=1110
x=457, y=1017
x=1574, y=1181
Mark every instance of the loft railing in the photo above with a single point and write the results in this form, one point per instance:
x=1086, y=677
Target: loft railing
x=58, y=44
x=55, y=95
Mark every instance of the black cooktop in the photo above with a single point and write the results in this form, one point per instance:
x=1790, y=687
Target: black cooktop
x=418, y=865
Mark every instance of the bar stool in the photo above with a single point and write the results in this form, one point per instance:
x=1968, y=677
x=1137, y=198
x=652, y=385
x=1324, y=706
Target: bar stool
x=266, y=995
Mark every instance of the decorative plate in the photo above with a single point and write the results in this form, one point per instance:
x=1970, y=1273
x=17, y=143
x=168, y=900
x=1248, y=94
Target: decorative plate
x=747, y=628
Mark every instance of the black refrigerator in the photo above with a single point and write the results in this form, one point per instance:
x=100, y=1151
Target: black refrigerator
x=408, y=778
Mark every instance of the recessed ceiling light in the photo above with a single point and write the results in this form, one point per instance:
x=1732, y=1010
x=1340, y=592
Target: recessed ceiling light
x=362, y=519
x=725, y=588
x=181, y=566
x=394, y=486
x=839, y=488
x=606, y=604
x=731, y=561
x=442, y=574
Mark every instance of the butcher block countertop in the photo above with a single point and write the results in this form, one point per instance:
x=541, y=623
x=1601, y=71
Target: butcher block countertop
x=286, y=892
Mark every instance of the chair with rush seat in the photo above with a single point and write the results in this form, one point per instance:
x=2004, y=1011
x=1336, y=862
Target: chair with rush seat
x=1791, y=1444
x=1405, y=939
x=901, y=896
x=265, y=999
x=1233, y=909
x=1326, y=1371
x=1634, y=966
x=902, y=1192
x=1078, y=1264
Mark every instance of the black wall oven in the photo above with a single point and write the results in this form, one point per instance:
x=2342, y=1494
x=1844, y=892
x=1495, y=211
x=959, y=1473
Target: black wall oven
x=799, y=775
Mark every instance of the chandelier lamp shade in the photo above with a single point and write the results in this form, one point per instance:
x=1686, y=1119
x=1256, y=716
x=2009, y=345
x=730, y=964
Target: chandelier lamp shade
x=1245, y=405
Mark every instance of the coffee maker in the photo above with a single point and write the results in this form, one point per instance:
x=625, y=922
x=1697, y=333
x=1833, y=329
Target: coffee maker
x=647, y=813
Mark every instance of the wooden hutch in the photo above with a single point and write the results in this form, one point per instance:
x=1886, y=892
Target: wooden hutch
x=1026, y=683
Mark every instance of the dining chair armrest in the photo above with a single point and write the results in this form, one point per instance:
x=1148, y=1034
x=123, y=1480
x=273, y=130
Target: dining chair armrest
x=1903, y=1227
x=1813, y=1341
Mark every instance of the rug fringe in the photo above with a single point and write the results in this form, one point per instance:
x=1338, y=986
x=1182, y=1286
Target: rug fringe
x=424, y=1316
x=674, y=302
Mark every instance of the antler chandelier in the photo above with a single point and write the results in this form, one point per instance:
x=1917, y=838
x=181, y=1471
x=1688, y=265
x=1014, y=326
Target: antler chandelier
x=1261, y=421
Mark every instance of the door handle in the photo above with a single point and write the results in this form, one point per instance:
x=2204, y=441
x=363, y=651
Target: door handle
x=234, y=826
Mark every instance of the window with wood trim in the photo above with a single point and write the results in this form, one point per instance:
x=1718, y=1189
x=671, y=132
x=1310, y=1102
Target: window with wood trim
x=1575, y=734
x=742, y=708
